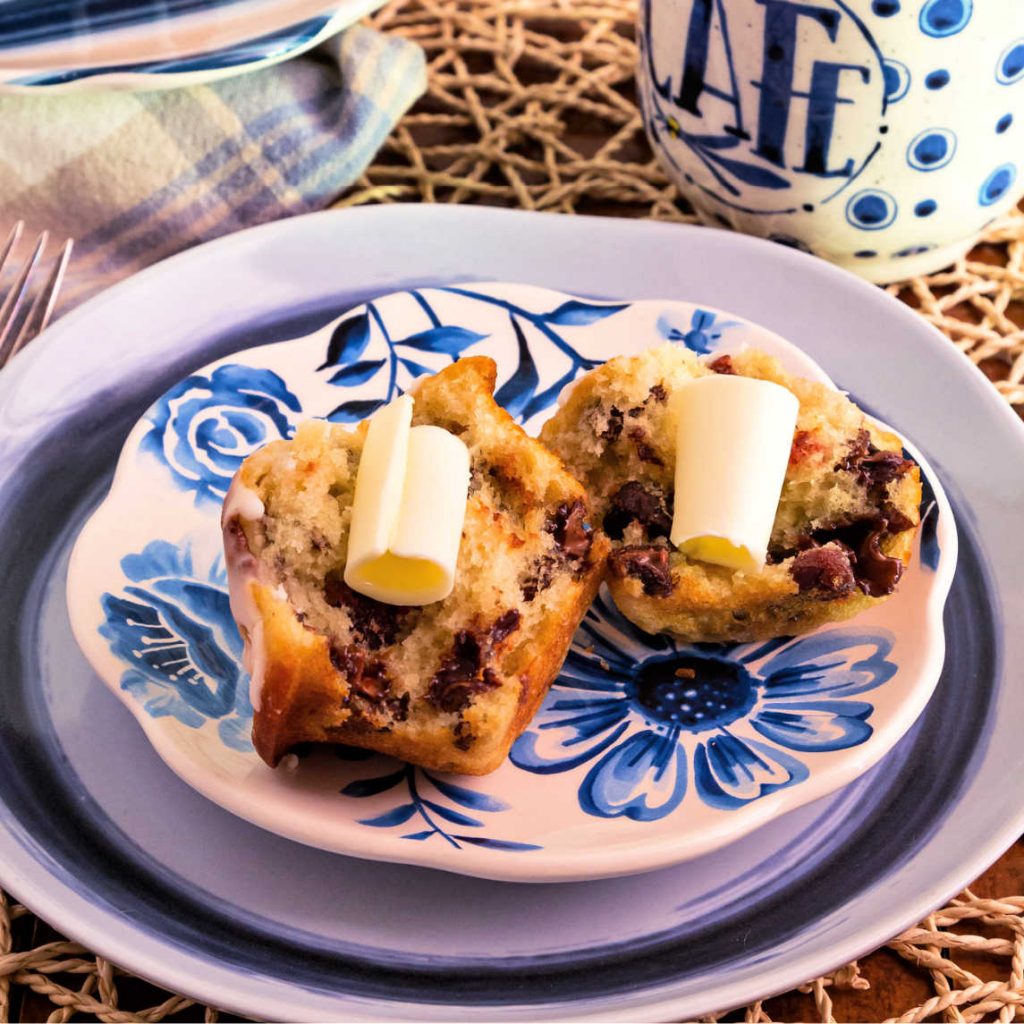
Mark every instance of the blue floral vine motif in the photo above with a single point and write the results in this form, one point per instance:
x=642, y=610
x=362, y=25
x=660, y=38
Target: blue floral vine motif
x=929, y=511
x=647, y=713
x=436, y=812
x=701, y=335
x=173, y=628
x=398, y=365
x=204, y=427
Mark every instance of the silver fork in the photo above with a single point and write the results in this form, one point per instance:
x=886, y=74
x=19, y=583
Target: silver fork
x=23, y=316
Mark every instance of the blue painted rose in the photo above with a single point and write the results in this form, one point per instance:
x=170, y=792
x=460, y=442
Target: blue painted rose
x=645, y=713
x=204, y=427
x=174, y=632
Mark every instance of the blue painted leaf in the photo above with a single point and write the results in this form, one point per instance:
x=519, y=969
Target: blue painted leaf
x=750, y=174
x=356, y=373
x=416, y=369
x=450, y=340
x=396, y=816
x=371, y=787
x=715, y=141
x=520, y=387
x=455, y=817
x=425, y=834
x=357, y=409
x=467, y=797
x=498, y=844
x=348, y=342
x=576, y=314
x=548, y=396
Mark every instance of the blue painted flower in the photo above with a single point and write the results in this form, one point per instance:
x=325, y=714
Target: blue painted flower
x=173, y=629
x=645, y=712
x=204, y=427
x=701, y=335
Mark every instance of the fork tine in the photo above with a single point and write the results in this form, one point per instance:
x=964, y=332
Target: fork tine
x=12, y=241
x=42, y=307
x=12, y=303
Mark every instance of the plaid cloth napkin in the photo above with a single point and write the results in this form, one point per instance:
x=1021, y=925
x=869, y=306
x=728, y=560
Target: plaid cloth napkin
x=135, y=177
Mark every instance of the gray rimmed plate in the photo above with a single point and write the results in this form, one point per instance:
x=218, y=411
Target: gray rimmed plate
x=97, y=835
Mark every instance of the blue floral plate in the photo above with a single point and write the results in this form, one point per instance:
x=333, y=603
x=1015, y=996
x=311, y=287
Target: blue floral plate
x=66, y=45
x=102, y=839
x=603, y=782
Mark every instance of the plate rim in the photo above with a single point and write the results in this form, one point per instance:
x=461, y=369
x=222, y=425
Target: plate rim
x=75, y=912
x=135, y=76
x=230, y=23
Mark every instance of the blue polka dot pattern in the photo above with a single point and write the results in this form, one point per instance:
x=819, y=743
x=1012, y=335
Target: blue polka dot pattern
x=941, y=18
x=925, y=208
x=913, y=250
x=871, y=209
x=885, y=8
x=937, y=79
x=897, y=80
x=1003, y=123
x=997, y=184
x=931, y=149
x=1010, y=68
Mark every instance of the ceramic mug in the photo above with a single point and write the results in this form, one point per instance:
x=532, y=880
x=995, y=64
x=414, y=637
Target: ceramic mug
x=883, y=135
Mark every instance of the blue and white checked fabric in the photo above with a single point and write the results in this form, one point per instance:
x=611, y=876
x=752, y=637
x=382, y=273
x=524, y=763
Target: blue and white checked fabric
x=136, y=177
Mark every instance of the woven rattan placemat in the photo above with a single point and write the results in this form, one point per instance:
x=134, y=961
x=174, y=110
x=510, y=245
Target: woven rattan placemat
x=531, y=105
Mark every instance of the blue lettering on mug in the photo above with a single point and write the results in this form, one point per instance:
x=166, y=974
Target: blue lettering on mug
x=756, y=132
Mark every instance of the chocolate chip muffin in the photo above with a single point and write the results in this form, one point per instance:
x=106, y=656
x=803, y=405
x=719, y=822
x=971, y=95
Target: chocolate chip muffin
x=448, y=685
x=842, y=535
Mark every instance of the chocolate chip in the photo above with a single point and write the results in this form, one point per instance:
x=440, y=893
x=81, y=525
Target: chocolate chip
x=898, y=522
x=463, y=736
x=875, y=573
x=658, y=393
x=882, y=467
x=723, y=364
x=636, y=412
x=399, y=707
x=856, y=448
x=826, y=570
x=647, y=564
x=505, y=625
x=568, y=525
x=367, y=680
x=373, y=683
x=465, y=671
x=873, y=466
x=377, y=624
x=635, y=502
x=540, y=578
x=644, y=451
x=348, y=660
x=613, y=430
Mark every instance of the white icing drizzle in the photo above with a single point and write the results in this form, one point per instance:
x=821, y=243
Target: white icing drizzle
x=243, y=572
x=243, y=502
x=256, y=663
